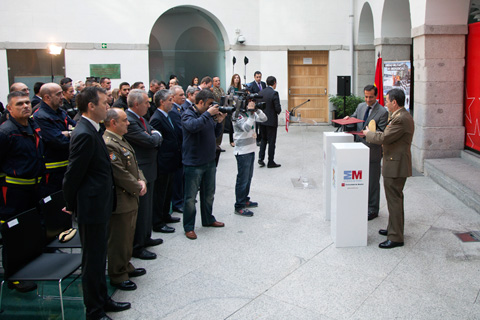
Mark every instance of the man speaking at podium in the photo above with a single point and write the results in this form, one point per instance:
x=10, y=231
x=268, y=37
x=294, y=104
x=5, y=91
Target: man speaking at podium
x=368, y=111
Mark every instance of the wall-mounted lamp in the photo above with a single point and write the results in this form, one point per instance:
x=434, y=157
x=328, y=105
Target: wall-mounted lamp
x=53, y=50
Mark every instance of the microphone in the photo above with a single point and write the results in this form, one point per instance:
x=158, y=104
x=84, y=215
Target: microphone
x=234, y=60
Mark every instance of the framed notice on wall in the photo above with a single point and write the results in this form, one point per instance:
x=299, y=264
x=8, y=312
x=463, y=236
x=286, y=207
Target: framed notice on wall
x=397, y=74
x=111, y=71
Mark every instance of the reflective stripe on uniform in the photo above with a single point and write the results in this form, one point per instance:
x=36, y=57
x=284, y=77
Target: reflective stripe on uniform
x=53, y=165
x=20, y=181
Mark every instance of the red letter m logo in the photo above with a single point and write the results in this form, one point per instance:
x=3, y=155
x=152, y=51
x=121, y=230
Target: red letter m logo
x=356, y=175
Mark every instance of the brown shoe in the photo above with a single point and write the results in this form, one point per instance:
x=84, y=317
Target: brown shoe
x=216, y=224
x=191, y=235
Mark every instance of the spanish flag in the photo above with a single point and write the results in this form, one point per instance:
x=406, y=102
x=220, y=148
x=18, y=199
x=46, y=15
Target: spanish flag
x=379, y=80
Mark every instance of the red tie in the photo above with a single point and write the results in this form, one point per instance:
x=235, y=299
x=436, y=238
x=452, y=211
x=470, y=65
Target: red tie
x=144, y=125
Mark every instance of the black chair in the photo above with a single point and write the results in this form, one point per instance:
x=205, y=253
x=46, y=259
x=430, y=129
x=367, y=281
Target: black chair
x=23, y=257
x=56, y=221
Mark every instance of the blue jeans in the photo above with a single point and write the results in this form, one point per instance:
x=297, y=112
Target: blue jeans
x=202, y=177
x=244, y=178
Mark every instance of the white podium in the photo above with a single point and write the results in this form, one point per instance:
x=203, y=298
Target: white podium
x=349, y=194
x=328, y=139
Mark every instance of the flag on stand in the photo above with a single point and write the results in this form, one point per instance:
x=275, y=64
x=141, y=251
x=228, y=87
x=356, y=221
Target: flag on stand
x=287, y=119
x=379, y=80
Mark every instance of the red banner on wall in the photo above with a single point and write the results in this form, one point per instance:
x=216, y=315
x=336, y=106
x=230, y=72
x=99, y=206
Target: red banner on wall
x=472, y=88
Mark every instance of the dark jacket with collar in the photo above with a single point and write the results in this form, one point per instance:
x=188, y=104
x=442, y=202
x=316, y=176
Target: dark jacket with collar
x=170, y=151
x=145, y=145
x=273, y=107
x=52, y=124
x=199, y=134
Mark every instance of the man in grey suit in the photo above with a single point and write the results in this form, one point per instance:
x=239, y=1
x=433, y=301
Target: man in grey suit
x=145, y=141
x=372, y=110
x=397, y=164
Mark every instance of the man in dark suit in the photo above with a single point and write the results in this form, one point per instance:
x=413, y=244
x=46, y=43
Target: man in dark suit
x=268, y=129
x=145, y=141
x=257, y=85
x=89, y=192
x=397, y=164
x=130, y=185
x=176, y=116
x=372, y=110
x=169, y=161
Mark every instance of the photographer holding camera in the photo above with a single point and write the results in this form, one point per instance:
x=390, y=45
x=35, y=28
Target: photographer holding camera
x=245, y=147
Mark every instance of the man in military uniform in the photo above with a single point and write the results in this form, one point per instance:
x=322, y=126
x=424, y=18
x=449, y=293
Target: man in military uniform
x=130, y=184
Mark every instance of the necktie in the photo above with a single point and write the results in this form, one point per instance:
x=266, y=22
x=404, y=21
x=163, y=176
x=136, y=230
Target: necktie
x=259, y=86
x=367, y=113
x=170, y=121
x=144, y=125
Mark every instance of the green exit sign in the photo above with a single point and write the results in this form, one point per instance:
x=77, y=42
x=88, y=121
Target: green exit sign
x=104, y=46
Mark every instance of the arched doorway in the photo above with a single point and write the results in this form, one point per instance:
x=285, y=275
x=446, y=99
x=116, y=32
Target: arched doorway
x=186, y=42
x=365, y=50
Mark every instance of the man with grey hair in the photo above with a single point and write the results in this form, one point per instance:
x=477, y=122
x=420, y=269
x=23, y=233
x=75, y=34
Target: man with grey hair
x=130, y=184
x=78, y=86
x=145, y=141
x=168, y=160
x=191, y=92
x=17, y=86
x=176, y=117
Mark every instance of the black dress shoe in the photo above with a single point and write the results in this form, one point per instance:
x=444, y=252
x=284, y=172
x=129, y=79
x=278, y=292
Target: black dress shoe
x=113, y=306
x=126, y=285
x=372, y=215
x=273, y=165
x=179, y=210
x=137, y=272
x=261, y=163
x=390, y=244
x=144, y=255
x=153, y=242
x=383, y=232
x=172, y=220
x=164, y=229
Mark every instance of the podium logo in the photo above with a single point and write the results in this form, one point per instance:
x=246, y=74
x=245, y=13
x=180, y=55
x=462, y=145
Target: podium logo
x=352, y=175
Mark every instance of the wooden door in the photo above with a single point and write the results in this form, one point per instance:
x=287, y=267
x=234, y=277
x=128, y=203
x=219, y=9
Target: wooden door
x=308, y=79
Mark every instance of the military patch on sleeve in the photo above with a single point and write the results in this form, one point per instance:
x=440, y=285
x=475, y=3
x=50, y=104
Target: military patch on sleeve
x=113, y=156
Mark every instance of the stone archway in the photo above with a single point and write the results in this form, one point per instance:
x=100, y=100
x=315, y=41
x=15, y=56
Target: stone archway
x=187, y=42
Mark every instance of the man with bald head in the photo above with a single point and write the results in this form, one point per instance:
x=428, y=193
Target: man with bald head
x=56, y=126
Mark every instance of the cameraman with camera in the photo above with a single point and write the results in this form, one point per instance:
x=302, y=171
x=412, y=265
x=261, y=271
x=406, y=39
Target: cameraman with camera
x=245, y=147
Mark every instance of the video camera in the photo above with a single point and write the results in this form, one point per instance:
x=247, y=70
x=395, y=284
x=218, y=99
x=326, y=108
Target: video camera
x=238, y=102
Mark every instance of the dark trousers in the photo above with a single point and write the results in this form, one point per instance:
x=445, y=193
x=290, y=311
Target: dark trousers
x=269, y=136
x=52, y=182
x=196, y=177
x=18, y=199
x=143, y=229
x=244, y=178
x=94, y=260
x=120, y=245
x=177, y=194
x=374, y=173
x=394, y=194
x=163, y=195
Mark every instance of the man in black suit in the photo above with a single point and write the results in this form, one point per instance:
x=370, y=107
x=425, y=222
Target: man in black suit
x=89, y=192
x=268, y=129
x=176, y=116
x=145, y=141
x=257, y=85
x=169, y=161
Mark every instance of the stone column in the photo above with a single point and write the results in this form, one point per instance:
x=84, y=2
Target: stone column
x=439, y=61
x=365, y=65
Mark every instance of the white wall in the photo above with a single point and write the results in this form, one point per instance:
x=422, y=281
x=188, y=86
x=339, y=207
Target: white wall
x=134, y=64
x=4, y=77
